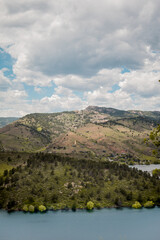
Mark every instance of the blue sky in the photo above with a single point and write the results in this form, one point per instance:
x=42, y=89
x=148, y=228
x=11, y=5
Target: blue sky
x=66, y=55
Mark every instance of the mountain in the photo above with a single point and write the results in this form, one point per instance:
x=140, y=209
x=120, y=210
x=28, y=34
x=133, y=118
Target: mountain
x=95, y=132
x=6, y=120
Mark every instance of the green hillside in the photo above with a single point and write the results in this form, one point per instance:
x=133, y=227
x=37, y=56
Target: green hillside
x=58, y=182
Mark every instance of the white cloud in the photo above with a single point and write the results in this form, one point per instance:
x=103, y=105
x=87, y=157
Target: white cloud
x=118, y=99
x=78, y=38
x=12, y=95
x=143, y=82
x=105, y=77
x=81, y=46
x=61, y=103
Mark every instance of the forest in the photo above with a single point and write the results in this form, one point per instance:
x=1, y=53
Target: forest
x=47, y=181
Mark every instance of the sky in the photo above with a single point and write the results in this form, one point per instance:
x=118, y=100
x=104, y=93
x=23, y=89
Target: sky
x=66, y=55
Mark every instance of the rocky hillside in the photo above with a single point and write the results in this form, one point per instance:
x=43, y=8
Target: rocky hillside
x=94, y=132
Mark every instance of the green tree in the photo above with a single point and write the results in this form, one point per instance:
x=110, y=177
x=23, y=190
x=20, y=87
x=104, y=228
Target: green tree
x=136, y=205
x=31, y=208
x=149, y=204
x=155, y=138
x=156, y=172
x=25, y=208
x=42, y=208
x=90, y=205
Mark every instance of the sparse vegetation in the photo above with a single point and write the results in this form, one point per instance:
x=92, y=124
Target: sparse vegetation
x=92, y=133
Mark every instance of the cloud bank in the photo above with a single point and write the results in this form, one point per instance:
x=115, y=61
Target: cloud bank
x=102, y=52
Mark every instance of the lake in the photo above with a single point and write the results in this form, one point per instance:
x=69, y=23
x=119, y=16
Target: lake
x=147, y=168
x=104, y=224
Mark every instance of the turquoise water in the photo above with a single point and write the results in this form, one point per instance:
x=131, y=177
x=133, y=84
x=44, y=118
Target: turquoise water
x=105, y=224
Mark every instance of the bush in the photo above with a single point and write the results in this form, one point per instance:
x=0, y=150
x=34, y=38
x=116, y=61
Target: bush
x=136, y=205
x=149, y=204
x=25, y=208
x=31, y=208
x=42, y=208
x=39, y=129
x=90, y=205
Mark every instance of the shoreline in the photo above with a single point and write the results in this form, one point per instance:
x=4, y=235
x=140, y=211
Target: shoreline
x=77, y=209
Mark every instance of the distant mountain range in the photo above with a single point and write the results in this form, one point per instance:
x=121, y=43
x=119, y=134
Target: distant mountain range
x=92, y=132
x=6, y=120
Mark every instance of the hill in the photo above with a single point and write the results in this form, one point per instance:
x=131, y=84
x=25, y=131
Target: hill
x=58, y=182
x=95, y=132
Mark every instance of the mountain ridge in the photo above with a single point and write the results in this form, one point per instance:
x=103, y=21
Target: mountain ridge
x=92, y=132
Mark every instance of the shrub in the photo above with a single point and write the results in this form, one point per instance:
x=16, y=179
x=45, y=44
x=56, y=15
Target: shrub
x=136, y=205
x=39, y=129
x=31, y=208
x=90, y=205
x=149, y=204
x=42, y=208
x=25, y=208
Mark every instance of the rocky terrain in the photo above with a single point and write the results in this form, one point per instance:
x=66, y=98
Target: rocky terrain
x=94, y=132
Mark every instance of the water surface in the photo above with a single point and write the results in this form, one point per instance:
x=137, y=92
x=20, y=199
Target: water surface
x=147, y=168
x=105, y=224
